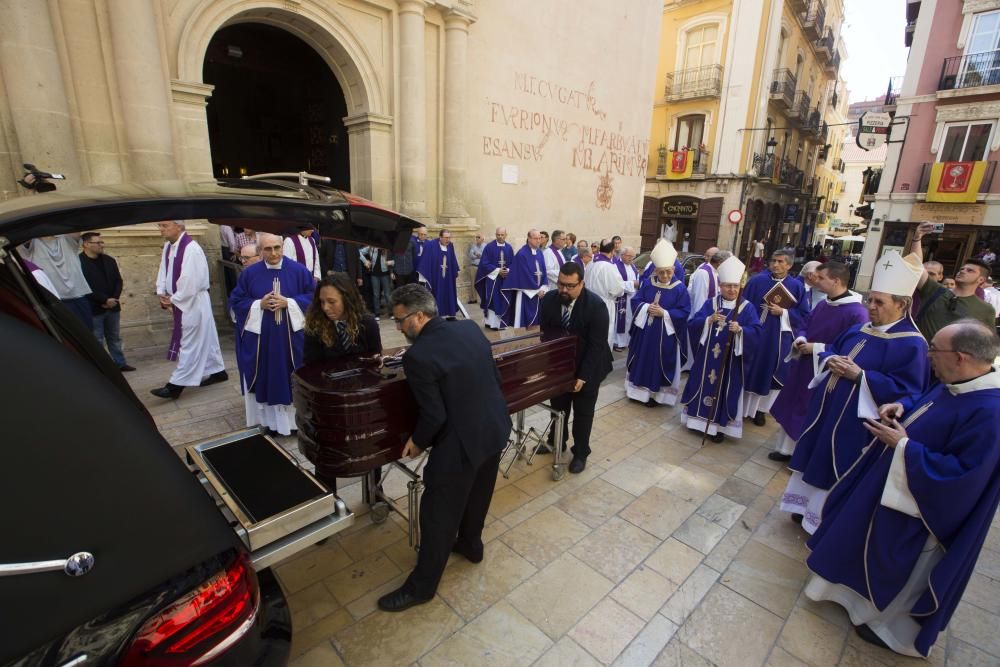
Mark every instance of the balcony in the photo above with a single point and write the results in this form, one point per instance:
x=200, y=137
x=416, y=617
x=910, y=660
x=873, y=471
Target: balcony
x=813, y=20
x=800, y=107
x=798, y=6
x=925, y=177
x=812, y=124
x=838, y=165
x=783, y=87
x=825, y=47
x=694, y=83
x=892, y=93
x=701, y=161
x=833, y=66
x=971, y=71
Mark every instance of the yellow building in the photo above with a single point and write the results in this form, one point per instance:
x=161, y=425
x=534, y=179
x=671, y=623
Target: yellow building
x=741, y=122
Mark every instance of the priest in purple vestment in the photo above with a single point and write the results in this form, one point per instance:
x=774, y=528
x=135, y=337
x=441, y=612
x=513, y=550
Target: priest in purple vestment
x=838, y=312
x=660, y=312
x=527, y=281
x=724, y=334
x=647, y=273
x=438, y=266
x=765, y=372
x=902, y=530
x=866, y=366
x=494, y=267
x=270, y=300
x=703, y=286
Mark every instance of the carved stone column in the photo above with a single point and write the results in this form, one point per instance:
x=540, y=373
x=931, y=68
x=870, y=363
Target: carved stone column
x=142, y=86
x=369, y=138
x=33, y=81
x=194, y=159
x=455, y=86
x=412, y=109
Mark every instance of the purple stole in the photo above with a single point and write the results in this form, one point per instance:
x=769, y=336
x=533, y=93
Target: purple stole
x=711, y=280
x=175, y=339
x=559, y=256
x=601, y=257
x=300, y=253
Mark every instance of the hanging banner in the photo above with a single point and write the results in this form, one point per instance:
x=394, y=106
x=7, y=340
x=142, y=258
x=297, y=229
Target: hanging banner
x=956, y=182
x=681, y=164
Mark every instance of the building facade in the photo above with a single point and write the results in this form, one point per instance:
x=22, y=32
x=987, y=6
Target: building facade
x=461, y=114
x=741, y=125
x=944, y=143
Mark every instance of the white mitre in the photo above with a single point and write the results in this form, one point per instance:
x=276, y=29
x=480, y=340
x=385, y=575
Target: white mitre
x=895, y=274
x=664, y=254
x=731, y=270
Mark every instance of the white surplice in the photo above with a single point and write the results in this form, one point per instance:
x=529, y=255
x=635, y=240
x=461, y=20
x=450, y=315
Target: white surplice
x=622, y=339
x=310, y=252
x=200, y=354
x=604, y=280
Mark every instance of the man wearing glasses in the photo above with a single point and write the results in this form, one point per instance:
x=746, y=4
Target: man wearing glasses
x=105, y=280
x=572, y=309
x=462, y=418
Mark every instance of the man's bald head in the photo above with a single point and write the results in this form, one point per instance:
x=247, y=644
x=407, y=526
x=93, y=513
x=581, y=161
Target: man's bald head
x=710, y=253
x=534, y=239
x=934, y=270
x=270, y=246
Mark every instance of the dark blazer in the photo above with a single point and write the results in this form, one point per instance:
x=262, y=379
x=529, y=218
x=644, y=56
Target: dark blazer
x=105, y=281
x=462, y=413
x=589, y=321
x=368, y=343
x=326, y=255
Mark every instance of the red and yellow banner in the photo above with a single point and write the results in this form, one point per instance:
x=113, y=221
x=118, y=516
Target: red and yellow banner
x=681, y=164
x=955, y=182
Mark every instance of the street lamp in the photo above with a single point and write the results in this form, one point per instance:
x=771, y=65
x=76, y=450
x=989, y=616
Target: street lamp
x=772, y=143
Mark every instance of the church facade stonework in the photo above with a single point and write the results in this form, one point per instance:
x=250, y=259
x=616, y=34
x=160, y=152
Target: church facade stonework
x=462, y=114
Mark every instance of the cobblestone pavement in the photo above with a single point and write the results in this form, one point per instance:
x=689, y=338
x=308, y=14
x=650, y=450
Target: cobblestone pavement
x=662, y=552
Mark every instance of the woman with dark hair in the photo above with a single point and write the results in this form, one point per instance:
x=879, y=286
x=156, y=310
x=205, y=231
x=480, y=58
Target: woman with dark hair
x=337, y=324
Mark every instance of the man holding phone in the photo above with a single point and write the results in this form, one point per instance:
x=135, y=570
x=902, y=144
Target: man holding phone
x=940, y=307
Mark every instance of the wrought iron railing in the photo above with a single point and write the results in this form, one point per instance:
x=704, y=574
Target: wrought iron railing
x=800, y=107
x=688, y=84
x=783, y=86
x=814, y=17
x=976, y=69
x=824, y=45
x=892, y=91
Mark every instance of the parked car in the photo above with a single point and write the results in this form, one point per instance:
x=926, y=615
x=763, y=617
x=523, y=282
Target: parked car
x=114, y=552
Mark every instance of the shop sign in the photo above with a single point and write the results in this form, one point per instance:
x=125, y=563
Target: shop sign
x=687, y=208
x=949, y=214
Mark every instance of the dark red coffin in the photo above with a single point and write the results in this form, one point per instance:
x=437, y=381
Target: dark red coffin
x=353, y=417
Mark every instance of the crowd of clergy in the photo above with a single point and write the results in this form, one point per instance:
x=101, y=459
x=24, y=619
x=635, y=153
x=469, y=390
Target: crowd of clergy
x=887, y=408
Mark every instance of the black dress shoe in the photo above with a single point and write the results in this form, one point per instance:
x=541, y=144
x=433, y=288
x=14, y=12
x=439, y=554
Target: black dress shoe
x=400, y=599
x=577, y=465
x=869, y=636
x=215, y=378
x=651, y=403
x=759, y=419
x=469, y=553
x=126, y=368
x=544, y=448
x=167, y=391
x=718, y=437
x=797, y=518
x=778, y=456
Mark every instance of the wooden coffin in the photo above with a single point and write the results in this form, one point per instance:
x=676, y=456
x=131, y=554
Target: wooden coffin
x=353, y=416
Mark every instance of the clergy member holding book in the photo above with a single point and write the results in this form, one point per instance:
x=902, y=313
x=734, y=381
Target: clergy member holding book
x=723, y=334
x=868, y=365
x=782, y=307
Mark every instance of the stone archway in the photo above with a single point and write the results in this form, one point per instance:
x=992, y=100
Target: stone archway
x=368, y=121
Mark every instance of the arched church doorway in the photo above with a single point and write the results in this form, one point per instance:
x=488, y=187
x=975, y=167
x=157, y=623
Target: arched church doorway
x=276, y=106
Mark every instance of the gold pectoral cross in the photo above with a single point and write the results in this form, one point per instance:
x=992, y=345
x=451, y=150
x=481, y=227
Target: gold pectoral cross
x=712, y=377
x=716, y=351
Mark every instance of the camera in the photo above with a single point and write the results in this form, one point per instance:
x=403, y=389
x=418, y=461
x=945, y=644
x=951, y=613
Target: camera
x=37, y=180
x=938, y=228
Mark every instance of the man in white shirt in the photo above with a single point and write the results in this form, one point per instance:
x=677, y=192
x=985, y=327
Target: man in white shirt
x=554, y=257
x=603, y=279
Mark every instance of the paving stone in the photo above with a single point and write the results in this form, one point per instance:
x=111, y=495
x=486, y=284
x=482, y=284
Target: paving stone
x=730, y=630
x=615, y=548
x=690, y=594
x=543, y=537
x=812, y=639
x=644, y=592
x=767, y=577
x=606, y=630
x=399, y=638
x=500, y=636
x=648, y=644
x=659, y=512
x=567, y=653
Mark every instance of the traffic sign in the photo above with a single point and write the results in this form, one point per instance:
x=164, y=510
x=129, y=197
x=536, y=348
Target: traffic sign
x=735, y=216
x=873, y=130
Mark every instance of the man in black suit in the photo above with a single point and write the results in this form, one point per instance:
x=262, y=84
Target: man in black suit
x=462, y=417
x=579, y=311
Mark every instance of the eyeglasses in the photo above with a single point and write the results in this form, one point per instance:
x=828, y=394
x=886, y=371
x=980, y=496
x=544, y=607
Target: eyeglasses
x=399, y=322
x=95, y=242
x=566, y=286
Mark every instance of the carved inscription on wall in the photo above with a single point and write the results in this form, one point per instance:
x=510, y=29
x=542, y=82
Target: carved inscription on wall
x=548, y=122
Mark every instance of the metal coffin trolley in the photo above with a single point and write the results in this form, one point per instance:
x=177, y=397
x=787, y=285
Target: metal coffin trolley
x=276, y=507
x=354, y=417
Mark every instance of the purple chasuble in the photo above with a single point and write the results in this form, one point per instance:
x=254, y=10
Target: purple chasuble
x=175, y=339
x=822, y=325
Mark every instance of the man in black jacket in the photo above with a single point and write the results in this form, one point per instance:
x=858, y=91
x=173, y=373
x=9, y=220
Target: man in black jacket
x=578, y=311
x=340, y=256
x=462, y=417
x=105, y=282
